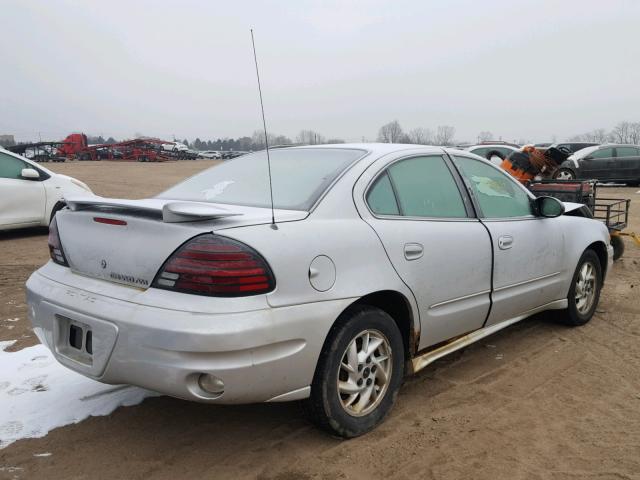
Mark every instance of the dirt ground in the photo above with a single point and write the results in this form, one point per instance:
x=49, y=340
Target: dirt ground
x=535, y=401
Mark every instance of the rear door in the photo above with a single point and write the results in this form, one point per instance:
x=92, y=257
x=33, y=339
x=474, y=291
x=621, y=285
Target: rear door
x=599, y=165
x=22, y=202
x=528, y=250
x=424, y=219
x=627, y=164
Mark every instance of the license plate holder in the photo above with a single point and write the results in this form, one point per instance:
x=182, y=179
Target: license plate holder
x=77, y=340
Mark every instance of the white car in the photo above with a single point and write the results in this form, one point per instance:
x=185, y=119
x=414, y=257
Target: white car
x=175, y=147
x=382, y=258
x=213, y=154
x=30, y=195
x=494, y=153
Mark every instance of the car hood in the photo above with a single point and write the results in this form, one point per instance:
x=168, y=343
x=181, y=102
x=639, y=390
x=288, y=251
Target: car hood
x=74, y=181
x=570, y=206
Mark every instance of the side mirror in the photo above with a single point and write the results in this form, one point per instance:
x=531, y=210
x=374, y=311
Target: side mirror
x=549, y=207
x=29, y=174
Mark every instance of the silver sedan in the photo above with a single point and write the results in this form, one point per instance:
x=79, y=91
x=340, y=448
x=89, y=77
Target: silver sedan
x=374, y=261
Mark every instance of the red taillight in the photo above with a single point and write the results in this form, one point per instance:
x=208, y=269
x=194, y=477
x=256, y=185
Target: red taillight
x=216, y=266
x=55, y=246
x=109, y=221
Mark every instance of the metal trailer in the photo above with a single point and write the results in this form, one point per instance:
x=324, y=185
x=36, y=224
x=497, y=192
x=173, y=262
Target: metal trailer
x=613, y=212
x=39, y=151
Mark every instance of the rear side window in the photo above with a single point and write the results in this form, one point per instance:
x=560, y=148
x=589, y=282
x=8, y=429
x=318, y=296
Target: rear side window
x=497, y=193
x=627, y=152
x=11, y=167
x=381, y=198
x=424, y=187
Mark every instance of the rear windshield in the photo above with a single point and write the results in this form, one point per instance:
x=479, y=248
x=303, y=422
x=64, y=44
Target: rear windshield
x=299, y=176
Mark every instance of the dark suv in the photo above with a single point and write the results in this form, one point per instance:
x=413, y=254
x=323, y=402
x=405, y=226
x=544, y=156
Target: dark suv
x=606, y=163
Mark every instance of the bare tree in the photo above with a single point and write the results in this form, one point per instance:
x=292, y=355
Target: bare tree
x=599, y=135
x=485, y=136
x=391, y=133
x=257, y=140
x=620, y=133
x=634, y=133
x=444, y=135
x=420, y=136
x=309, y=137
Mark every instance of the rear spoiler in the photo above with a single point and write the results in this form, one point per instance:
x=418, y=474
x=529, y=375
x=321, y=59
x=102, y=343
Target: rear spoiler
x=169, y=211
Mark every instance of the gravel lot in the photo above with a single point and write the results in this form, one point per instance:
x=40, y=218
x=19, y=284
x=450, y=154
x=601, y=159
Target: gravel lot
x=535, y=401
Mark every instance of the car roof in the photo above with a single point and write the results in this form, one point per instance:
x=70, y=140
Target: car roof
x=491, y=145
x=586, y=151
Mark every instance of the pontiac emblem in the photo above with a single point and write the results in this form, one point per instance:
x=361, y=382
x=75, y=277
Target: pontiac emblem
x=103, y=263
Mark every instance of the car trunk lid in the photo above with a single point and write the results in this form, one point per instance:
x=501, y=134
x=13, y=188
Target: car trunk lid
x=127, y=241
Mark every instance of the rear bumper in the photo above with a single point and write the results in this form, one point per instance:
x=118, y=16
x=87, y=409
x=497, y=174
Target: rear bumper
x=268, y=354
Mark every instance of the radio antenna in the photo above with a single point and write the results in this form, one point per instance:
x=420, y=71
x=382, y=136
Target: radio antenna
x=266, y=137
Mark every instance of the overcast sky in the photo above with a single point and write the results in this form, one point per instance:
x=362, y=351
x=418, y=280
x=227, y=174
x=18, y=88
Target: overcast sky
x=520, y=69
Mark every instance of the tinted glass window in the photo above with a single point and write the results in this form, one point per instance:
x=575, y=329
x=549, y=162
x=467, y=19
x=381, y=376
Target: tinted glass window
x=498, y=194
x=381, y=198
x=480, y=151
x=602, y=153
x=11, y=167
x=627, y=152
x=426, y=188
x=505, y=151
x=299, y=176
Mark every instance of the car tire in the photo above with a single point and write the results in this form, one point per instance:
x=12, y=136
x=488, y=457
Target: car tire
x=564, y=174
x=618, y=246
x=584, y=293
x=343, y=398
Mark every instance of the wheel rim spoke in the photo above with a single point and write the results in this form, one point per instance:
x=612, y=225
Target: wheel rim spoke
x=364, y=372
x=349, y=388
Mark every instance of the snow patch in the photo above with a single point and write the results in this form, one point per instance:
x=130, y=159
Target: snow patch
x=37, y=394
x=6, y=344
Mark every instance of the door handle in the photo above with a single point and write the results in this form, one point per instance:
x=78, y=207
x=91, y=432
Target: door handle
x=505, y=242
x=413, y=251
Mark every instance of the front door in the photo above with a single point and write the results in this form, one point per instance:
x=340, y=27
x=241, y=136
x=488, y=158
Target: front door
x=438, y=249
x=599, y=165
x=21, y=201
x=528, y=250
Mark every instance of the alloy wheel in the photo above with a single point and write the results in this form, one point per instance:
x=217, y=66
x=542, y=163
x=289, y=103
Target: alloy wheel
x=585, y=288
x=364, y=372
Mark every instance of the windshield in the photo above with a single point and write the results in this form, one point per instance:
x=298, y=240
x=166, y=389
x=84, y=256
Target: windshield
x=299, y=177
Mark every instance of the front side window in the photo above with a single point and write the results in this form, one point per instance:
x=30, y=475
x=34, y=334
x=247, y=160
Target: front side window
x=497, y=193
x=424, y=187
x=603, y=153
x=627, y=152
x=11, y=167
x=299, y=176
